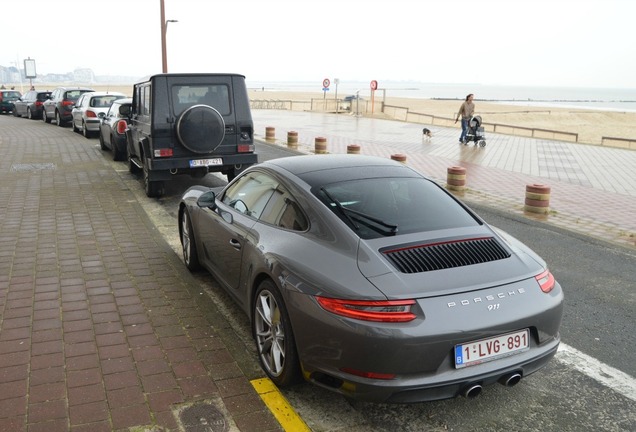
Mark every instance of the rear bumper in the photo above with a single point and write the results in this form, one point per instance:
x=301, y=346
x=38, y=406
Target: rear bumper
x=163, y=169
x=413, y=389
x=92, y=125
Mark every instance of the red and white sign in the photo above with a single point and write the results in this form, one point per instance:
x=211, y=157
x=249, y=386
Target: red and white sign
x=326, y=83
x=374, y=85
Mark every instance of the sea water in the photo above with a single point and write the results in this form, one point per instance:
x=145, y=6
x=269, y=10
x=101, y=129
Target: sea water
x=614, y=99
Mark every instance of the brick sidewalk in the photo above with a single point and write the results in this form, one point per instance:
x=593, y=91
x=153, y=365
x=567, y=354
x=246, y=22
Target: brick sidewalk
x=100, y=328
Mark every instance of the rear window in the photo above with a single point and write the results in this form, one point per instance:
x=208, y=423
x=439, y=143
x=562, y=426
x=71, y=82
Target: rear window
x=377, y=207
x=11, y=95
x=214, y=95
x=104, y=101
x=43, y=96
x=74, y=94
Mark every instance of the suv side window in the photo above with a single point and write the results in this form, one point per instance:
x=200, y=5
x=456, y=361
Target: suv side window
x=145, y=100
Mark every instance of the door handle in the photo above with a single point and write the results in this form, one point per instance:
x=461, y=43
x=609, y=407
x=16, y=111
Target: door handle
x=235, y=244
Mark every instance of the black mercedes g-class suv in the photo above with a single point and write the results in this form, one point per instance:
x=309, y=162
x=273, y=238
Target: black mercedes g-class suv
x=189, y=123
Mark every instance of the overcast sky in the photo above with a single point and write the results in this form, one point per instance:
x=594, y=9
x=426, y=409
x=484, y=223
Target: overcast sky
x=584, y=43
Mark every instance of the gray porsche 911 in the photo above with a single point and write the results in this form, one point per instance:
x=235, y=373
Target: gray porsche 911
x=363, y=276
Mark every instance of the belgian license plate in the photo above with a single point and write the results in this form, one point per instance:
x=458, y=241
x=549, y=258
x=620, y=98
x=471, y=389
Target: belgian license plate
x=484, y=350
x=205, y=162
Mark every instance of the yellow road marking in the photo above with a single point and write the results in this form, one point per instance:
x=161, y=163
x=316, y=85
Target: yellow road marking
x=279, y=406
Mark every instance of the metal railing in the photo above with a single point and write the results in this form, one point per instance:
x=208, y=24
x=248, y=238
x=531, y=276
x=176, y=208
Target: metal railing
x=404, y=114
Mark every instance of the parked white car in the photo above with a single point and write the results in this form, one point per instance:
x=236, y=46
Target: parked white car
x=89, y=108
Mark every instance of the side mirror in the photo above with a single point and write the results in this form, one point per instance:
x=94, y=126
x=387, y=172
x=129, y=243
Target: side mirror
x=101, y=115
x=207, y=199
x=124, y=110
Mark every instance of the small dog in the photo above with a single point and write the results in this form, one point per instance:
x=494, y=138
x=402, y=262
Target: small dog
x=427, y=134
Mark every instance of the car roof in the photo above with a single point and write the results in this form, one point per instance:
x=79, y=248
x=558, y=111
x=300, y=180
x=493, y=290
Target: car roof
x=322, y=169
x=73, y=88
x=103, y=93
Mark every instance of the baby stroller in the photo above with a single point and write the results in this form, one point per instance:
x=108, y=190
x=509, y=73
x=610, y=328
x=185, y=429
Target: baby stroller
x=475, y=132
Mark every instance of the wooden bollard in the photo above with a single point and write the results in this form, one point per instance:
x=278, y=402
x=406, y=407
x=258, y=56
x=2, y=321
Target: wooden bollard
x=353, y=149
x=320, y=145
x=399, y=157
x=292, y=139
x=537, y=199
x=270, y=133
x=456, y=178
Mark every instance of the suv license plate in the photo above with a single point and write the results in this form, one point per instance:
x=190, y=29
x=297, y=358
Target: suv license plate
x=205, y=162
x=485, y=350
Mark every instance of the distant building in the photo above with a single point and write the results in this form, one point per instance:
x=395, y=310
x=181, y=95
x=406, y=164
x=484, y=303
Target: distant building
x=84, y=76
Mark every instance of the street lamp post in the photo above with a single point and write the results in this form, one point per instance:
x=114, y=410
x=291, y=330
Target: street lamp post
x=164, y=29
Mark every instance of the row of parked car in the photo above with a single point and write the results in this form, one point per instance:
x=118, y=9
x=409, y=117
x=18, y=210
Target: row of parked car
x=175, y=124
x=91, y=113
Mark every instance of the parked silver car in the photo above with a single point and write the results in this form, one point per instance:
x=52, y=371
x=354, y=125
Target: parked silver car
x=89, y=108
x=369, y=279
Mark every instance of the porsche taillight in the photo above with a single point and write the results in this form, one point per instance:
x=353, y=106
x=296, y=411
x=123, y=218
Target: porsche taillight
x=370, y=310
x=545, y=281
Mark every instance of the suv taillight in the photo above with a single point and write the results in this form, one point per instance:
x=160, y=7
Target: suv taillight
x=38, y=103
x=67, y=102
x=121, y=127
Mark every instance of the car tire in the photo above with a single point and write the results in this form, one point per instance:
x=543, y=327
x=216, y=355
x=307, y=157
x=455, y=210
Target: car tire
x=200, y=129
x=233, y=172
x=118, y=155
x=45, y=117
x=102, y=143
x=73, y=127
x=85, y=131
x=188, y=242
x=274, y=336
x=58, y=119
x=29, y=114
x=153, y=189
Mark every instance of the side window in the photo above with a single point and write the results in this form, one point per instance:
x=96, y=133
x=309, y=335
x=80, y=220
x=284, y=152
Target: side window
x=145, y=100
x=112, y=111
x=251, y=193
x=284, y=212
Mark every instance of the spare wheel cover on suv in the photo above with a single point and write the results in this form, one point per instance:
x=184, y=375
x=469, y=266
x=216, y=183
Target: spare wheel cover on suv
x=201, y=129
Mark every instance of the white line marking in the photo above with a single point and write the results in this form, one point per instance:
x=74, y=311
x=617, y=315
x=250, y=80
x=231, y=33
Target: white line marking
x=604, y=374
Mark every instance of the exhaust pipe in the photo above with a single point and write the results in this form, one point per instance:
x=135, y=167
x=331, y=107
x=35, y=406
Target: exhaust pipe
x=510, y=379
x=471, y=391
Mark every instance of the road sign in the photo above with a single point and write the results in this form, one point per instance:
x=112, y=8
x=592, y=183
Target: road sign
x=374, y=85
x=326, y=82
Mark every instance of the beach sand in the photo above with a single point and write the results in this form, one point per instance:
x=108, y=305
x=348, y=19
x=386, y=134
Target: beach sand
x=591, y=125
